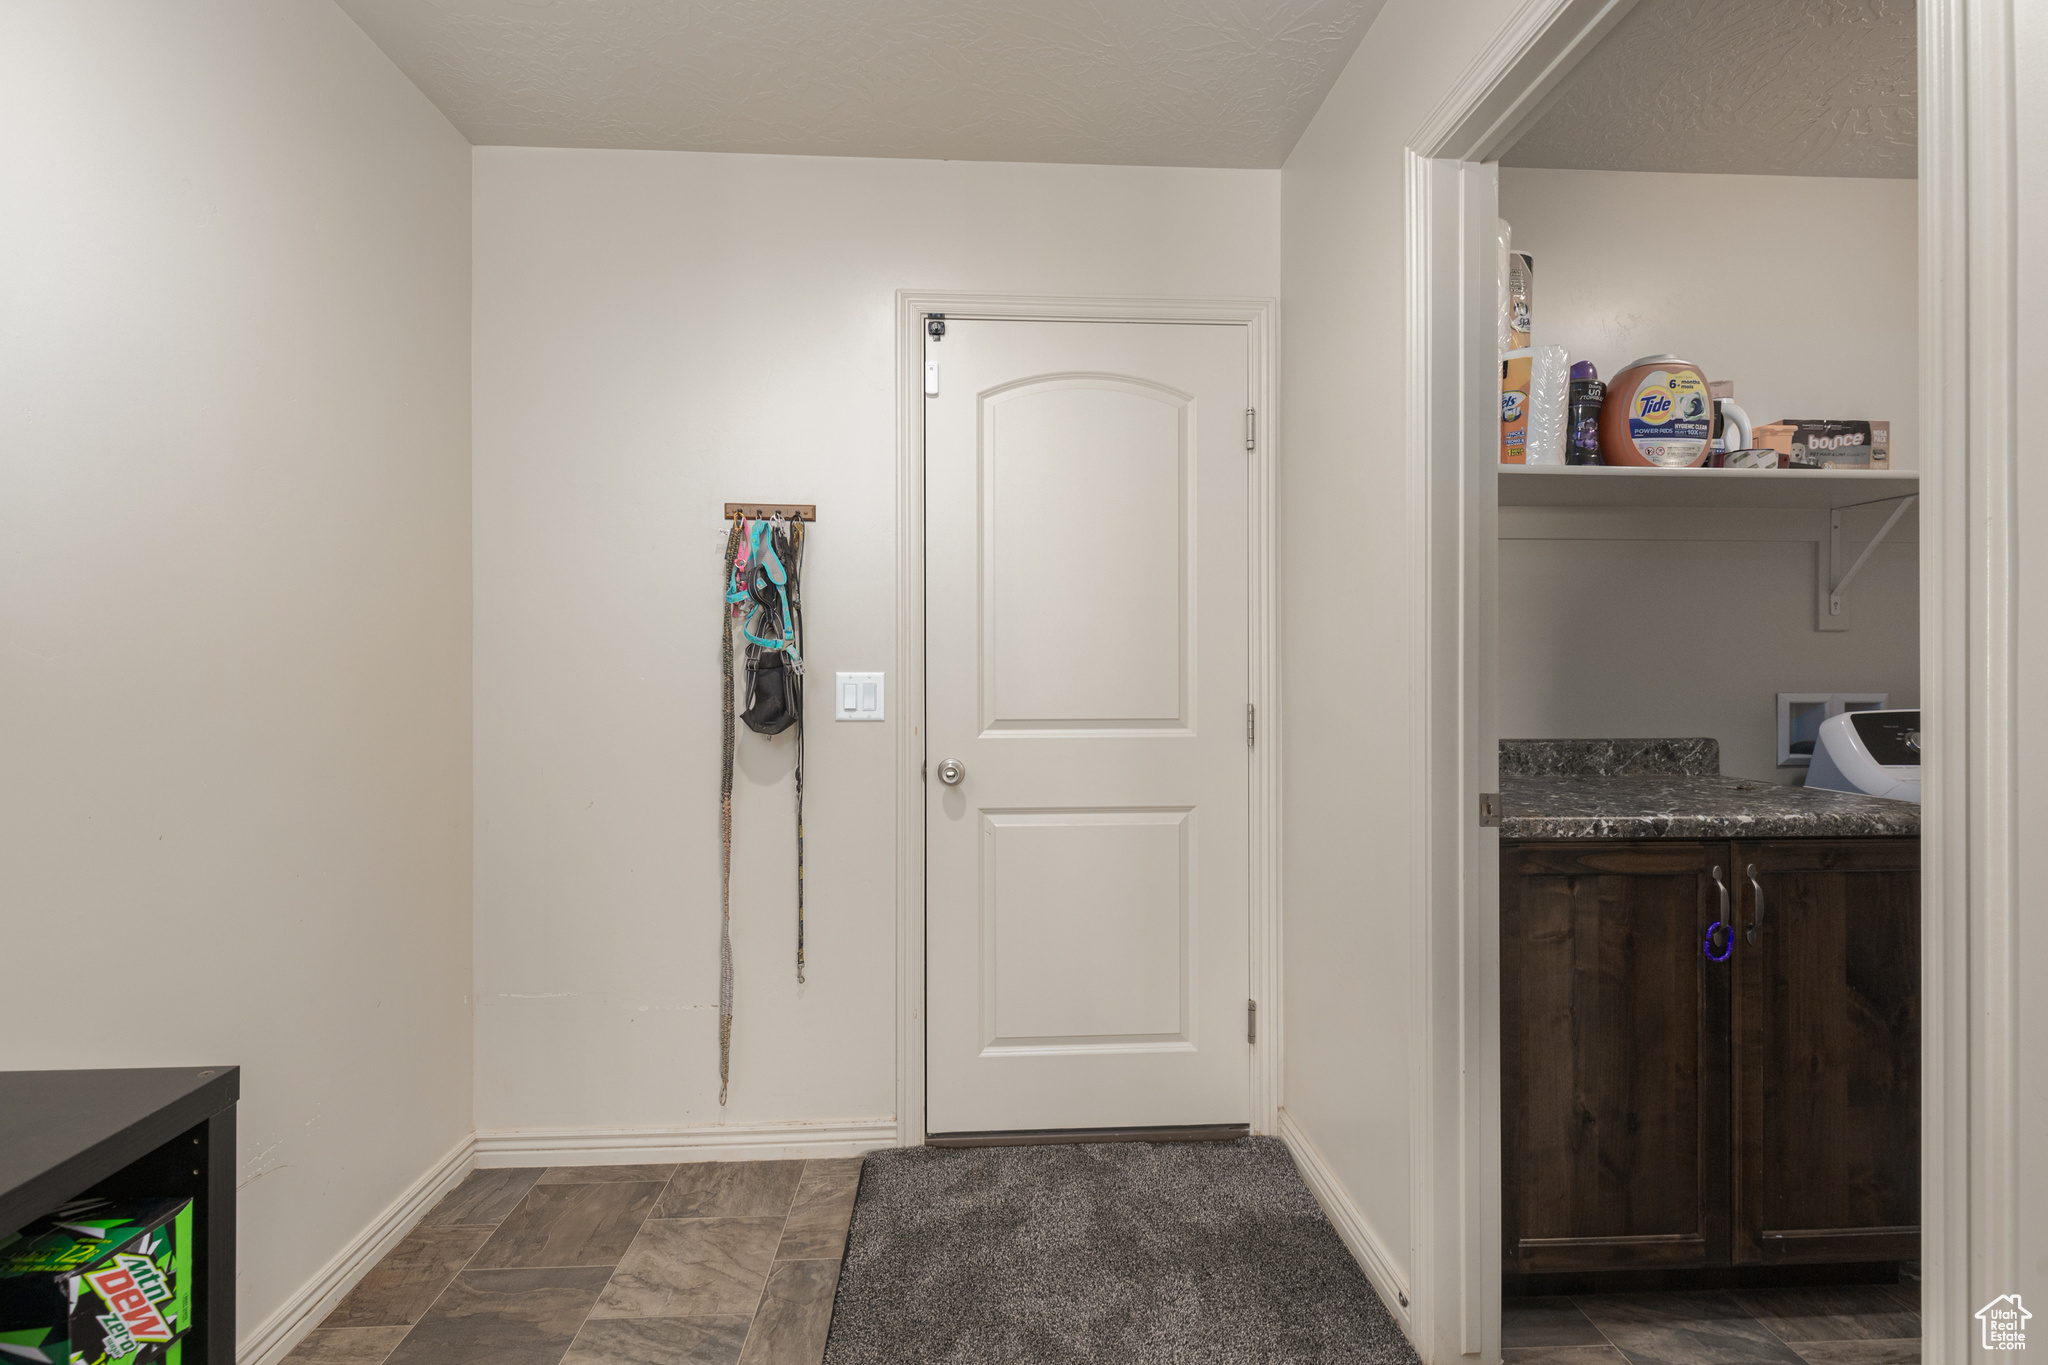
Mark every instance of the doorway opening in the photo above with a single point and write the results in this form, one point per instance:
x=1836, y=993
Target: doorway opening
x=1474, y=516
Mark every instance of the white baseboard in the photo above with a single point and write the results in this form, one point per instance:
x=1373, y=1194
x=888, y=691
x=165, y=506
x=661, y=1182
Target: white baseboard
x=1356, y=1233
x=694, y=1142
x=301, y=1313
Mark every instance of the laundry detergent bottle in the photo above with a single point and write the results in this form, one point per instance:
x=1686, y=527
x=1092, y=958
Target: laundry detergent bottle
x=1657, y=413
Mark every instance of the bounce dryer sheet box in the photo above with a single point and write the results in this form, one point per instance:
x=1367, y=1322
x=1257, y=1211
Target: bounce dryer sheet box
x=99, y=1283
x=1815, y=443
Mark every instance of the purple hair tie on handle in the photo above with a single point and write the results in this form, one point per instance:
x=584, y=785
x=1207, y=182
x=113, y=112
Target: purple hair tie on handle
x=1727, y=941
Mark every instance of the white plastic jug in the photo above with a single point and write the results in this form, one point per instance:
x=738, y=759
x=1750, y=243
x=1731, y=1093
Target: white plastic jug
x=1734, y=420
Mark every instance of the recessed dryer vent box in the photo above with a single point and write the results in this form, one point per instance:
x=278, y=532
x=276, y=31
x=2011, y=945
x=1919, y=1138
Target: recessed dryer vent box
x=1800, y=715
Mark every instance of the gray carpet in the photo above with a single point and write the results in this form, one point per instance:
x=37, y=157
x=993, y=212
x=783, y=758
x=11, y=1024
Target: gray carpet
x=1191, y=1253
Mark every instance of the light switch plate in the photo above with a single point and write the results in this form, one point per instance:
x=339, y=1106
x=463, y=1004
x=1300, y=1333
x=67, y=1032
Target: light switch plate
x=857, y=696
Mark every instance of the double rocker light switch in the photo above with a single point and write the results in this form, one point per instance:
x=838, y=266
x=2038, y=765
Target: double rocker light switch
x=857, y=696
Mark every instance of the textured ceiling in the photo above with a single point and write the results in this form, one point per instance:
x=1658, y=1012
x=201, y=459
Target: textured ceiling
x=1758, y=87
x=1125, y=82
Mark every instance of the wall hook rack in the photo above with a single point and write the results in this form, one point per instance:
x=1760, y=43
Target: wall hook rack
x=758, y=511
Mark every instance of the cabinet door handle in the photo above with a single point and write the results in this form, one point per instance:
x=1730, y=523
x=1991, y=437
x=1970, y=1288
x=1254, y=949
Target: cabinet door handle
x=1756, y=925
x=1722, y=926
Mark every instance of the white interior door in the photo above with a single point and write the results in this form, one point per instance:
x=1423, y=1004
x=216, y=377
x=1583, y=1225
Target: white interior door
x=1087, y=638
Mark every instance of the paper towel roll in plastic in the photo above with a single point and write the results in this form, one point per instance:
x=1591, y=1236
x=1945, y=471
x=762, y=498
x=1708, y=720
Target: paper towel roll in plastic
x=1550, y=372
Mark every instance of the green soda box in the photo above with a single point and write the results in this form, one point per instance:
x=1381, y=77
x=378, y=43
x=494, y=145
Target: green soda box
x=98, y=1283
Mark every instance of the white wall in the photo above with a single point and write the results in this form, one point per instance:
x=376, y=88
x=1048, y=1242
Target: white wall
x=657, y=333
x=1637, y=630
x=1352, y=818
x=1803, y=291
x=234, y=588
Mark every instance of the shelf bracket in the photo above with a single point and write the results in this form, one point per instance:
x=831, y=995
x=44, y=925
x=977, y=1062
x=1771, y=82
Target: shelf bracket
x=1833, y=612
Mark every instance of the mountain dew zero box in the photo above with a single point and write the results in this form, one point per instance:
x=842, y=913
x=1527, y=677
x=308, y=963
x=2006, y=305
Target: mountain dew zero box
x=99, y=1282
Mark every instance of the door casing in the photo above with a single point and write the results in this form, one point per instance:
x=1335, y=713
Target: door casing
x=1260, y=317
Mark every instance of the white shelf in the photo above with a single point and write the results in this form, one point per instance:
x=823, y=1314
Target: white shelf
x=1616, y=486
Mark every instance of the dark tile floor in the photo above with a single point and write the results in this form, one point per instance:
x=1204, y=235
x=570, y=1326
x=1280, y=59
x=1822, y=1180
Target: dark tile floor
x=709, y=1263
x=1863, y=1324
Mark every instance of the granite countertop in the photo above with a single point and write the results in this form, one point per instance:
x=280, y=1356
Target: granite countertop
x=1671, y=789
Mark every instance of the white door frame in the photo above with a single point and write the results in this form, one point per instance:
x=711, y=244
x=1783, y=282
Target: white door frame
x=1259, y=317
x=1971, y=1141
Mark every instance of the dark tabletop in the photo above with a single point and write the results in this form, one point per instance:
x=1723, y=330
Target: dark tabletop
x=63, y=1131
x=1692, y=807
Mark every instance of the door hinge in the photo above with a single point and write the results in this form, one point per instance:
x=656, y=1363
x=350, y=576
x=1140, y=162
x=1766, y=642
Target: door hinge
x=924, y=773
x=1489, y=810
x=1251, y=427
x=1251, y=1021
x=1251, y=724
x=935, y=326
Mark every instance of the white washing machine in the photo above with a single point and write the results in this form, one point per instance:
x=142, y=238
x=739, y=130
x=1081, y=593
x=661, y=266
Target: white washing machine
x=1875, y=753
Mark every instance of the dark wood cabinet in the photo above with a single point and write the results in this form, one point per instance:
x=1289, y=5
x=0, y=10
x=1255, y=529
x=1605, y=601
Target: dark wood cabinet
x=1826, y=1065
x=1663, y=1111
x=1614, y=1057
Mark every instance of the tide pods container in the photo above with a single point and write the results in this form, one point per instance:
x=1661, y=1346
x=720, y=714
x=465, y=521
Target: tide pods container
x=1657, y=413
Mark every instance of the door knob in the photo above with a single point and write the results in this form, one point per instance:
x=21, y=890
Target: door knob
x=951, y=771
